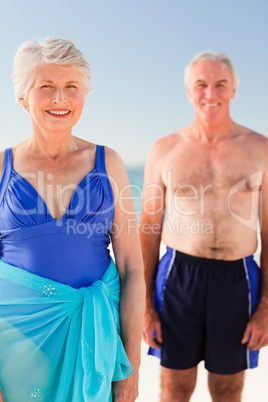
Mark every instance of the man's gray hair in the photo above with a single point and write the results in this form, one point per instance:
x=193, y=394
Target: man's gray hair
x=53, y=50
x=208, y=55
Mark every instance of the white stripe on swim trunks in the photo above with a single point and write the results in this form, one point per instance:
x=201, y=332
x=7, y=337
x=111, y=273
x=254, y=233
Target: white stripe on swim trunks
x=249, y=302
x=169, y=270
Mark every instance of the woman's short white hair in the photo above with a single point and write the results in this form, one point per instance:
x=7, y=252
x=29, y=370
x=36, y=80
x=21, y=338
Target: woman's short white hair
x=210, y=56
x=53, y=50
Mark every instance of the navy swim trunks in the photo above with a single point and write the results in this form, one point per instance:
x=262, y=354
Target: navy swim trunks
x=204, y=305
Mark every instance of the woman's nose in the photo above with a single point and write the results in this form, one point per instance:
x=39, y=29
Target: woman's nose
x=59, y=96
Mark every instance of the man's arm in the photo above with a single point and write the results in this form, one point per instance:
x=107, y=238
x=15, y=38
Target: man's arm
x=128, y=259
x=256, y=334
x=153, y=208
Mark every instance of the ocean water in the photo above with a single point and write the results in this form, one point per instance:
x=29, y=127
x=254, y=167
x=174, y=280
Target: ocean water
x=136, y=176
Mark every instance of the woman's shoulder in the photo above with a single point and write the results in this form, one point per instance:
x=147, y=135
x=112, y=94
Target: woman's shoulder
x=115, y=167
x=111, y=153
x=112, y=159
x=83, y=144
x=2, y=161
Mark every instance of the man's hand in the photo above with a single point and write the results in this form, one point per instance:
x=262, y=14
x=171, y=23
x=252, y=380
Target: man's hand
x=126, y=390
x=152, y=332
x=1, y=397
x=256, y=333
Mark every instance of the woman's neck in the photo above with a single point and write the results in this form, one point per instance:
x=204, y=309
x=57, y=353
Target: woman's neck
x=52, y=144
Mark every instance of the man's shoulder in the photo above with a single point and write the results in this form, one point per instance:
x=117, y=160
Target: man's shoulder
x=252, y=135
x=256, y=144
x=257, y=141
x=167, y=143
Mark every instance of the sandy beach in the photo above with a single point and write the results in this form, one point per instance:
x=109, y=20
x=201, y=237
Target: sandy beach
x=255, y=390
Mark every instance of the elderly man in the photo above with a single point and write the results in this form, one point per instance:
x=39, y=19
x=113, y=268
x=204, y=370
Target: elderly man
x=204, y=298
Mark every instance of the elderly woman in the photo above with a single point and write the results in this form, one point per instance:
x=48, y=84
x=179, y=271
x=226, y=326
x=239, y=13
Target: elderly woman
x=61, y=201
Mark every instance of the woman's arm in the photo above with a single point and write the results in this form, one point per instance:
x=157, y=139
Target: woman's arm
x=128, y=259
x=2, y=159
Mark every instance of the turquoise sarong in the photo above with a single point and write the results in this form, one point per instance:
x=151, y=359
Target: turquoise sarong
x=58, y=343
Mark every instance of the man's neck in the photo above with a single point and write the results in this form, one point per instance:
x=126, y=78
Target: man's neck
x=211, y=131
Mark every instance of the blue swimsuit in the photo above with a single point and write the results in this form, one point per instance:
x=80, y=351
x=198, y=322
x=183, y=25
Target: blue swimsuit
x=72, y=250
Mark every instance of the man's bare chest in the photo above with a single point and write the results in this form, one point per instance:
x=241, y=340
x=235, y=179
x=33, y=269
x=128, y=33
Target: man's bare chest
x=194, y=172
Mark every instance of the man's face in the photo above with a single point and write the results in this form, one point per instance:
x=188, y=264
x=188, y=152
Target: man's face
x=211, y=90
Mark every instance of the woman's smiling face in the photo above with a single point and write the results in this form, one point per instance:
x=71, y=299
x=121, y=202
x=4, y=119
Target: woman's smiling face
x=55, y=99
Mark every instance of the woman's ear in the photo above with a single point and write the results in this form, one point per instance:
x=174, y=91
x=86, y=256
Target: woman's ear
x=23, y=103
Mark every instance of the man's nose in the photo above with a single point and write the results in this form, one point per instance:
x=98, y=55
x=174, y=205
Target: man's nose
x=210, y=91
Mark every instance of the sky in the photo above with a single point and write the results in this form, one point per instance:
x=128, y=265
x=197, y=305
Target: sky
x=137, y=51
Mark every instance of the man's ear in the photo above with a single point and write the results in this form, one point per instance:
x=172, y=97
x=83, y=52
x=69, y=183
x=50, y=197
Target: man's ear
x=188, y=92
x=234, y=92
